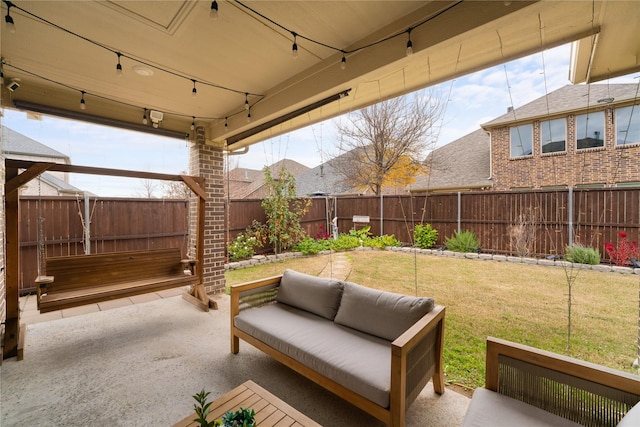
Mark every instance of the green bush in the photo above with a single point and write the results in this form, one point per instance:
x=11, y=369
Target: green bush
x=381, y=242
x=424, y=236
x=580, y=254
x=344, y=242
x=310, y=246
x=243, y=247
x=465, y=241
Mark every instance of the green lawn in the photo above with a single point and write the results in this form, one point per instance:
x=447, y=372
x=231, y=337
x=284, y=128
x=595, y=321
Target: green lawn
x=517, y=302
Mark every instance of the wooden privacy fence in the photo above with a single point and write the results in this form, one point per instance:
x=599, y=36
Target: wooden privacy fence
x=534, y=223
x=54, y=225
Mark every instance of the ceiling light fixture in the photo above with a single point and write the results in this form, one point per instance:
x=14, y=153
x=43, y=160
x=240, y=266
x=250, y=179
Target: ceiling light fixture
x=409, y=44
x=8, y=20
x=214, y=10
x=294, y=48
x=83, y=105
x=118, y=65
x=142, y=71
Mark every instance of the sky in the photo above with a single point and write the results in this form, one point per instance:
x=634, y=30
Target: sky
x=470, y=101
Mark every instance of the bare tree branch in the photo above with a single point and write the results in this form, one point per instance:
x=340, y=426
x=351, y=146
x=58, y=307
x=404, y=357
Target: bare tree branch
x=384, y=136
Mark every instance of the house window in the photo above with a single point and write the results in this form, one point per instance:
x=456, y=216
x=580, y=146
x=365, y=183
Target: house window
x=590, y=130
x=553, y=136
x=628, y=125
x=521, y=140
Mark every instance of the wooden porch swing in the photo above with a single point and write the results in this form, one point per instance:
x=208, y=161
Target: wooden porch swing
x=77, y=280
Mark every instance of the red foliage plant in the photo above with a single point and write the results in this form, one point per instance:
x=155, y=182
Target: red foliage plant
x=322, y=234
x=622, y=253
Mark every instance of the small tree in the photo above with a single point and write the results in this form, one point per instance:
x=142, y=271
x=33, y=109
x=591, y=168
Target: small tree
x=283, y=210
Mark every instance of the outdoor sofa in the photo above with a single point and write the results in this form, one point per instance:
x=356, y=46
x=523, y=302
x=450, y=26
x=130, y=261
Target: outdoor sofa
x=375, y=349
x=525, y=386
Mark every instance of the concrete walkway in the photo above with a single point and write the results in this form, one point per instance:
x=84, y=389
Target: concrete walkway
x=339, y=267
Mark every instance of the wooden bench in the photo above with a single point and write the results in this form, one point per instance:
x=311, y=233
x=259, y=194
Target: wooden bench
x=87, y=279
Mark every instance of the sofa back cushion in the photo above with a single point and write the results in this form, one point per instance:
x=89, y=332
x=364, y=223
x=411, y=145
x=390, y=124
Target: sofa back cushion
x=313, y=294
x=383, y=314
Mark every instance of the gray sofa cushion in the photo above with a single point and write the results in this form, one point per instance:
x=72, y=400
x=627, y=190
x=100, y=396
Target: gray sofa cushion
x=491, y=409
x=358, y=361
x=632, y=418
x=313, y=294
x=383, y=314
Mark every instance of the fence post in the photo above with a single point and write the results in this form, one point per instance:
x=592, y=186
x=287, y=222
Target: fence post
x=381, y=214
x=87, y=225
x=570, y=214
x=459, y=210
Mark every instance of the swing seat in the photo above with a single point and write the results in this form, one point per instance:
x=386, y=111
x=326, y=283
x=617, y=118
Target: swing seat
x=88, y=279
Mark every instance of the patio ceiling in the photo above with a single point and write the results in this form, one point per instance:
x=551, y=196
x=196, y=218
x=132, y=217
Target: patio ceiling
x=61, y=48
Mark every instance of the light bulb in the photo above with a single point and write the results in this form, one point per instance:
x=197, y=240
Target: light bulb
x=226, y=124
x=194, y=91
x=343, y=62
x=214, y=10
x=155, y=125
x=294, y=48
x=118, y=66
x=8, y=20
x=144, y=117
x=409, y=48
x=83, y=105
x=246, y=101
x=249, y=116
x=193, y=124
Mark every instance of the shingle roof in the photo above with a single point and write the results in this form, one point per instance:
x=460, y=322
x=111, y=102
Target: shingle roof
x=462, y=164
x=567, y=99
x=248, y=183
x=16, y=143
x=321, y=179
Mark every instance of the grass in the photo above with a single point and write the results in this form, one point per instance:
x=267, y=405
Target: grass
x=517, y=302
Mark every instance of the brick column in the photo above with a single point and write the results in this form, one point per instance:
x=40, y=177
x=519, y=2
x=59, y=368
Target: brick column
x=207, y=161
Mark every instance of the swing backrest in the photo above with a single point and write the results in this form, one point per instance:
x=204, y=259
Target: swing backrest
x=118, y=267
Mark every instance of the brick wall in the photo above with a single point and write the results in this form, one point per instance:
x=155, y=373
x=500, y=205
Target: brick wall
x=207, y=161
x=3, y=289
x=608, y=165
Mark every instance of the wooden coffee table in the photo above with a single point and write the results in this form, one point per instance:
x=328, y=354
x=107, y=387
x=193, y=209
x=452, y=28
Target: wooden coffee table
x=270, y=411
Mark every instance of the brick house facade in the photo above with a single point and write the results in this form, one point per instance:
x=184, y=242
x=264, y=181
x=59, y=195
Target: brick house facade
x=584, y=158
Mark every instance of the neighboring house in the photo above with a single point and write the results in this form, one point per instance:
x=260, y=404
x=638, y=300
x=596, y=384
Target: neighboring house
x=19, y=147
x=323, y=180
x=584, y=136
x=250, y=184
x=461, y=165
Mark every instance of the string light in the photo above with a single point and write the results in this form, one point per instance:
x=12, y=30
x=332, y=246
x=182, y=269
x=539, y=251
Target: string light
x=343, y=62
x=226, y=123
x=118, y=65
x=194, y=91
x=214, y=10
x=294, y=48
x=193, y=123
x=249, y=116
x=83, y=105
x=144, y=117
x=409, y=44
x=246, y=101
x=8, y=20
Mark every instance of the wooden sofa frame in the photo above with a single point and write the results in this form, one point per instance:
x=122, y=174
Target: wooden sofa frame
x=580, y=391
x=86, y=279
x=404, y=387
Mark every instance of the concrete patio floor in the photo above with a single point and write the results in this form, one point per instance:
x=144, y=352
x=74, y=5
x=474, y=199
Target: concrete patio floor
x=138, y=361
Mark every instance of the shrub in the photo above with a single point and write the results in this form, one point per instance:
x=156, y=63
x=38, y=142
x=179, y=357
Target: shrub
x=424, y=236
x=465, y=241
x=309, y=246
x=242, y=247
x=622, y=253
x=580, y=254
x=381, y=242
x=344, y=242
x=361, y=233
